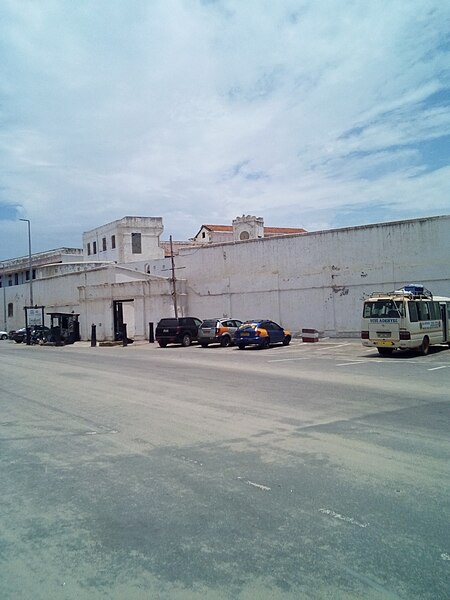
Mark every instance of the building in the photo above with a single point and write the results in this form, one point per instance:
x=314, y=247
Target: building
x=127, y=240
x=242, y=228
x=300, y=279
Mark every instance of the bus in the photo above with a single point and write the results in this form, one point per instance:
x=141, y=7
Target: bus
x=410, y=318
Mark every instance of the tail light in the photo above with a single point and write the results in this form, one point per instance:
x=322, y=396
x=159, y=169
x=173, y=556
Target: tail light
x=364, y=335
x=405, y=335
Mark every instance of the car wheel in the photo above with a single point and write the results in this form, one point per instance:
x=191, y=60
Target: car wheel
x=186, y=340
x=287, y=340
x=18, y=341
x=225, y=341
x=241, y=346
x=162, y=344
x=265, y=344
x=204, y=344
x=4, y=336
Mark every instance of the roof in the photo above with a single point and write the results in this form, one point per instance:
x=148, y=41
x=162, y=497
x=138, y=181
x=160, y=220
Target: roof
x=218, y=228
x=283, y=230
x=267, y=230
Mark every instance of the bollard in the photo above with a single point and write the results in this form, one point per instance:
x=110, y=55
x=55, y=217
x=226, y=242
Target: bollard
x=28, y=336
x=151, y=333
x=93, y=335
x=124, y=335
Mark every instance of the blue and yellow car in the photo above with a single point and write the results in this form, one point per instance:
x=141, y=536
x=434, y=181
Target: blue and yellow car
x=261, y=333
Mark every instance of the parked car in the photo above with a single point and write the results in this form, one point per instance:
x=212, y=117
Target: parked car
x=3, y=335
x=218, y=331
x=261, y=333
x=38, y=333
x=182, y=331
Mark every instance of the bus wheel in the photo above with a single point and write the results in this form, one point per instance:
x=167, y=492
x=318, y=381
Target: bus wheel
x=385, y=351
x=424, y=346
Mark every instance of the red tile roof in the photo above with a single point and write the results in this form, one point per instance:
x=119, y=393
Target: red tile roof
x=267, y=230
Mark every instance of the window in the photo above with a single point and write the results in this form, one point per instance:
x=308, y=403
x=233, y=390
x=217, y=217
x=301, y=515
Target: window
x=34, y=273
x=424, y=311
x=244, y=235
x=104, y=244
x=435, y=311
x=113, y=241
x=89, y=249
x=203, y=234
x=27, y=275
x=413, y=315
x=16, y=278
x=136, y=243
x=10, y=309
x=94, y=247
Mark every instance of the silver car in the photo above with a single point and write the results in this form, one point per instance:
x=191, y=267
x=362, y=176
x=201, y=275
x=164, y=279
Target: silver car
x=217, y=331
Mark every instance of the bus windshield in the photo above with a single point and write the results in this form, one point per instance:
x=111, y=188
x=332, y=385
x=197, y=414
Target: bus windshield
x=384, y=309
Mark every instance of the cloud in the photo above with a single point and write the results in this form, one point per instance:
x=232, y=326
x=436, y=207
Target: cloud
x=198, y=111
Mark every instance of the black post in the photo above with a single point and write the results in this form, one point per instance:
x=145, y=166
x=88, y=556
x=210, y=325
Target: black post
x=28, y=336
x=124, y=335
x=93, y=335
x=151, y=333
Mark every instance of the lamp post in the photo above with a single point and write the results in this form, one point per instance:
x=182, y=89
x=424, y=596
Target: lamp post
x=4, y=294
x=29, y=258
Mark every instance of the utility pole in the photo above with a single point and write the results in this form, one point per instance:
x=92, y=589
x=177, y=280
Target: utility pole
x=174, y=292
x=29, y=259
x=4, y=294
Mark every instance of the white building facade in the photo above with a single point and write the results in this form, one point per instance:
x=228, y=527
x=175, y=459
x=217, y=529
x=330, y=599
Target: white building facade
x=315, y=280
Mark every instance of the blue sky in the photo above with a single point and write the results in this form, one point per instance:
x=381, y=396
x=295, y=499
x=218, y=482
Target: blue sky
x=314, y=113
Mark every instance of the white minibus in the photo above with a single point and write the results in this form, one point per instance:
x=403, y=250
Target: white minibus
x=410, y=318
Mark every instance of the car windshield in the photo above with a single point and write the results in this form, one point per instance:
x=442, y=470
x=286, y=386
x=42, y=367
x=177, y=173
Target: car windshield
x=383, y=308
x=168, y=323
x=209, y=323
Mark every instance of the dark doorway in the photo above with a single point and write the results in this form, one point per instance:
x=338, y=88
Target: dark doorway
x=118, y=317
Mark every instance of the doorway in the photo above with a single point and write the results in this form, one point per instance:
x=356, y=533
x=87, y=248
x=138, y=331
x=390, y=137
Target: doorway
x=123, y=314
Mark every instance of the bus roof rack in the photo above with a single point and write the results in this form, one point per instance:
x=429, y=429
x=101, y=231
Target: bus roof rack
x=413, y=290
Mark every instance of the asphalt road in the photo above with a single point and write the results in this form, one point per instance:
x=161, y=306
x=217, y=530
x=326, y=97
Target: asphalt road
x=316, y=471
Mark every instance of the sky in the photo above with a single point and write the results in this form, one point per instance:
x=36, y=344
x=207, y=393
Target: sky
x=309, y=113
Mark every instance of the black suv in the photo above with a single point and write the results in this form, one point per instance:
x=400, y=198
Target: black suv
x=177, y=331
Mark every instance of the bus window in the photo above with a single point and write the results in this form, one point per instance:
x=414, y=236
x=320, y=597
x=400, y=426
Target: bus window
x=435, y=311
x=383, y=309
x=424, y=311
x=413, y=316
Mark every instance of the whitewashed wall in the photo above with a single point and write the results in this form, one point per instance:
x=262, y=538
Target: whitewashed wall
x=313, y=280
x=91, y=294
x=317, y=279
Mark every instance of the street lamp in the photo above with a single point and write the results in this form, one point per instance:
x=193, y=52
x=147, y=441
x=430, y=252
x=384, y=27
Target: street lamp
x=4, y=293
x=29, y=258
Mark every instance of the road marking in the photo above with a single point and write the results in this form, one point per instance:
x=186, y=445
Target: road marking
x=335, y=515
x=287, y=359
x=436, y=368
x=338, y=346
x=357, y=362
x=259, y=486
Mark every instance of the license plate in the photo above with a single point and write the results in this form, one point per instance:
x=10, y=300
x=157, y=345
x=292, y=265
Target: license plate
x=385, y=343
x=244, y=334
x=383, y=334
x=165, y=331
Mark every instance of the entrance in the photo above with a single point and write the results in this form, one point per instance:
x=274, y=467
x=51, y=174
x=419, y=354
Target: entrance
x=123, y=314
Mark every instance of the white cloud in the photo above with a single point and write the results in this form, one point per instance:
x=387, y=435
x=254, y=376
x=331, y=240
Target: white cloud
x=113, y=108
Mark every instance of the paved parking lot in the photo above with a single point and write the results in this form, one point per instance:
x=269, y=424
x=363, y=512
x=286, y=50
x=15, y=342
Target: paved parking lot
x=309, y=471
